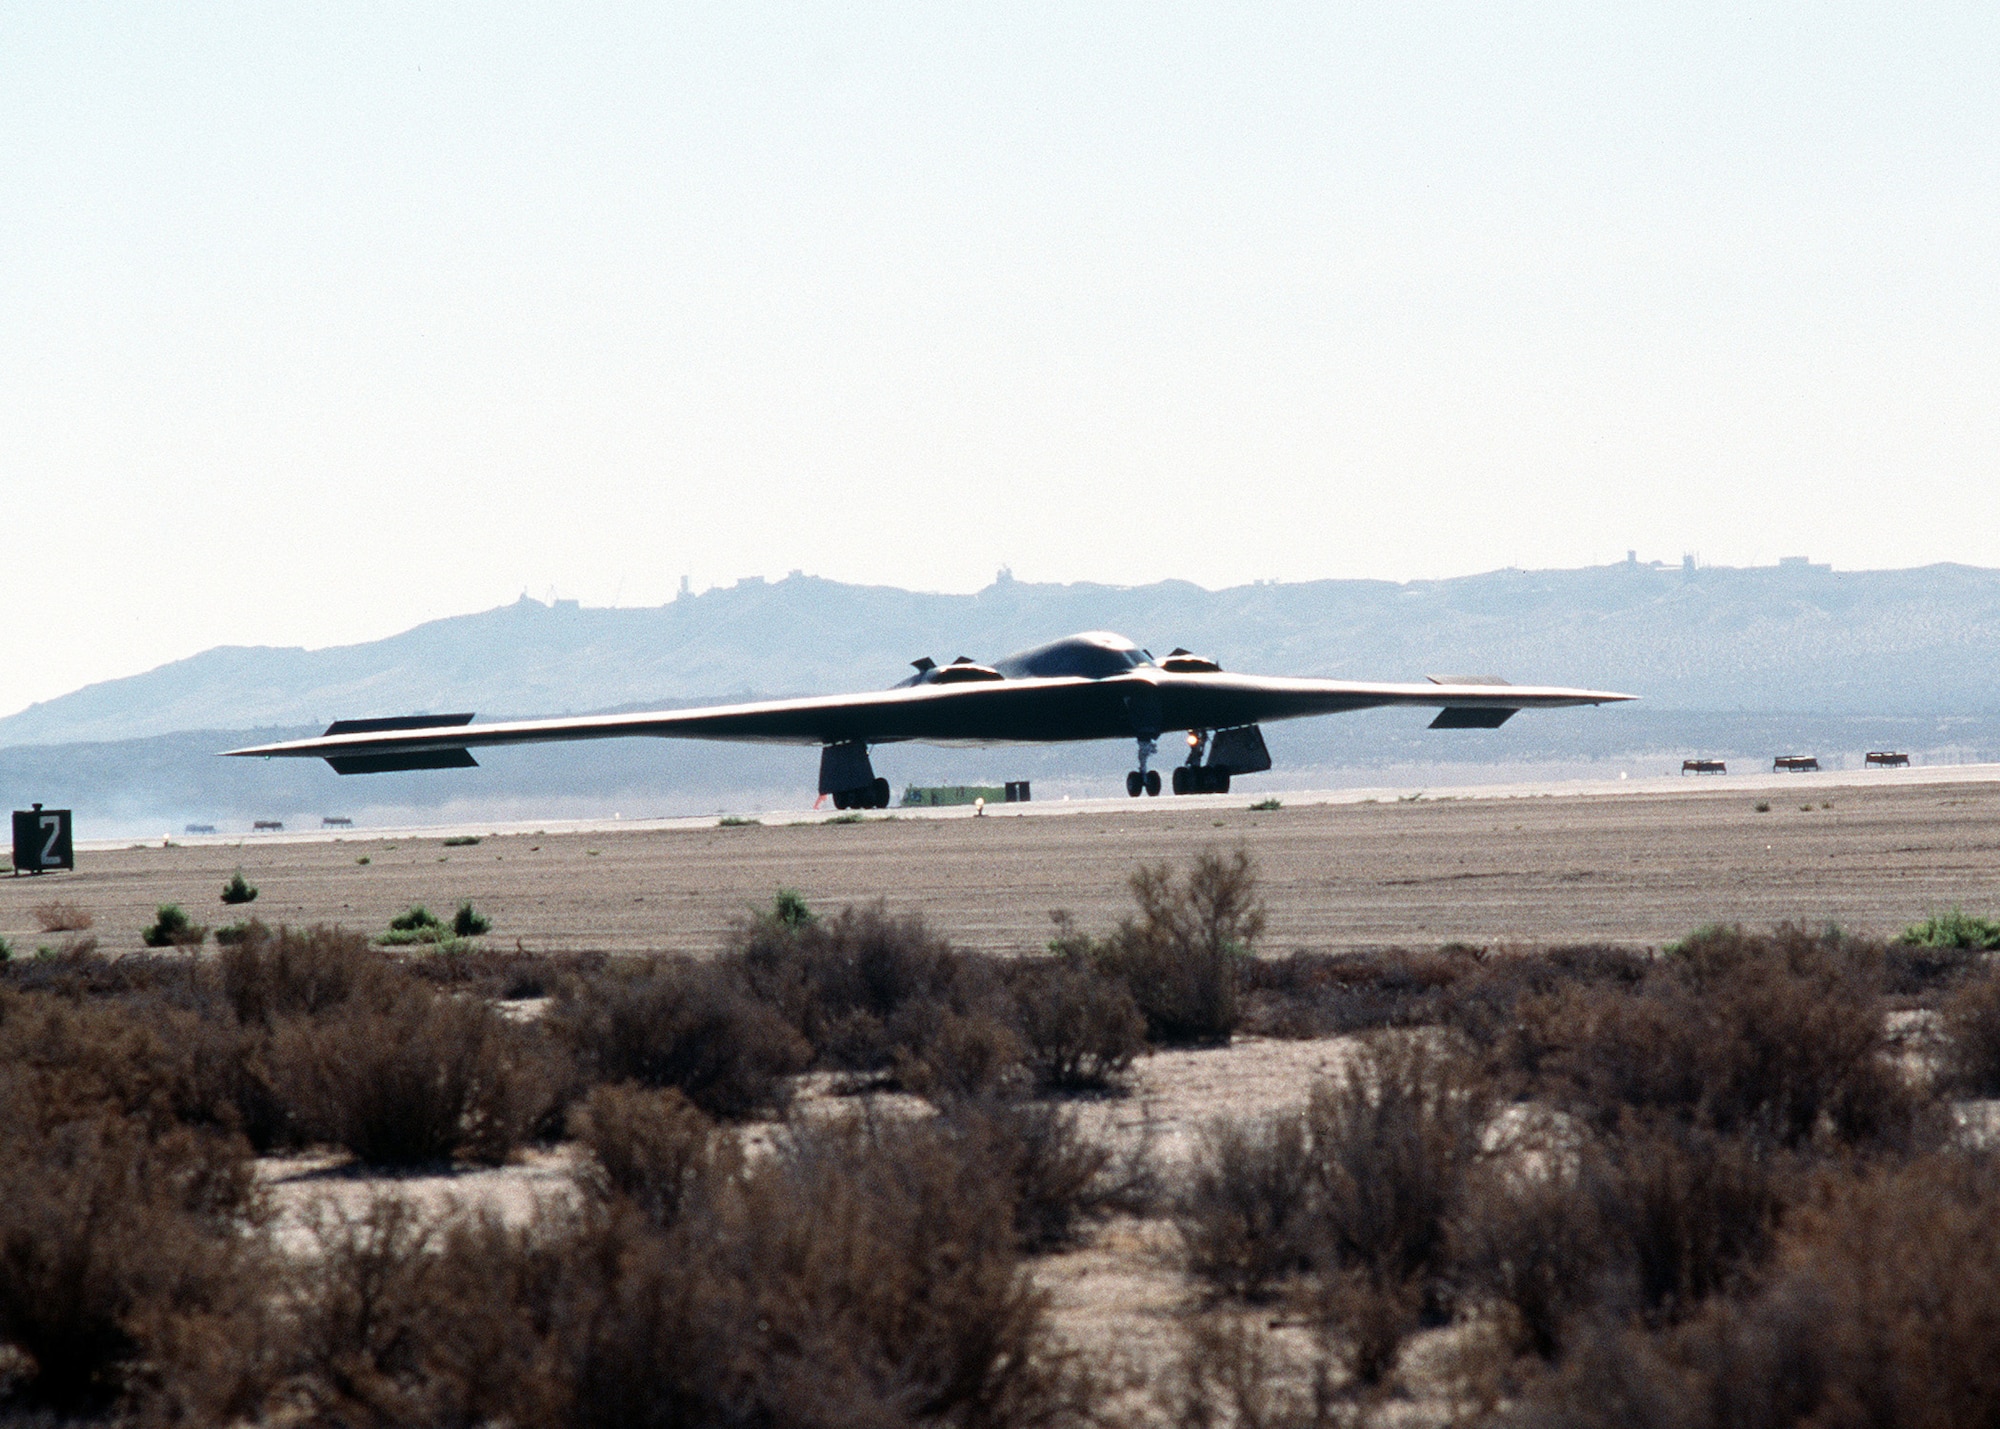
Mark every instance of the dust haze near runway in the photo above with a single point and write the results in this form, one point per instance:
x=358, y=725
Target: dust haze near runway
x=1638, y=868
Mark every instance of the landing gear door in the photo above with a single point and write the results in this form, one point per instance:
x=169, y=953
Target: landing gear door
x=1239, y=751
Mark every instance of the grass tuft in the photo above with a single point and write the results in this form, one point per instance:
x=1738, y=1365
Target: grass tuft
x=172, y=928
x=1954, y=928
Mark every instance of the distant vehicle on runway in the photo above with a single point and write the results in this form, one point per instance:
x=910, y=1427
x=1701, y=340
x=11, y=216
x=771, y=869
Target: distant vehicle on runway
x=1085, y=687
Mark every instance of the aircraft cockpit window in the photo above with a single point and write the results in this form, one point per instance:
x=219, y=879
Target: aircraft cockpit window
x=1090, y=657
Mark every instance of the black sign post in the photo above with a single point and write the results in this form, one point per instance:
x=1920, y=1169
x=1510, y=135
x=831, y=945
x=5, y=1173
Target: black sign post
x=42, y=840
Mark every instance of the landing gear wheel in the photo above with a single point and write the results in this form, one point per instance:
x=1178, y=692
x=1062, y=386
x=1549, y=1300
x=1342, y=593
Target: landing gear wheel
x=1222, y=782
x=1134, y=783
x=840, y=799
x=1180, y=779
x=881, y=792
x=1152, y=781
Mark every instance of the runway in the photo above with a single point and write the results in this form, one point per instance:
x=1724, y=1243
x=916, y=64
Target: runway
x=1632, y=861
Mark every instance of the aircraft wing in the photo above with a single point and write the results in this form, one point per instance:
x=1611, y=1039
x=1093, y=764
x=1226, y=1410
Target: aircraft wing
x=1142, y=703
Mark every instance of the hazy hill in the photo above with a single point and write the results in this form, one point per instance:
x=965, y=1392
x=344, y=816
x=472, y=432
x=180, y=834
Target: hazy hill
x=1770, y=639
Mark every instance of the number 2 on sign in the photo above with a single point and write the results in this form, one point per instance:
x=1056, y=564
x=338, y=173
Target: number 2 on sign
x=52, y=826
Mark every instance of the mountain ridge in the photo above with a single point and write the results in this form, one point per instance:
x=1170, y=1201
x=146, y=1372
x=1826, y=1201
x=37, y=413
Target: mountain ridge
x=1791, y=637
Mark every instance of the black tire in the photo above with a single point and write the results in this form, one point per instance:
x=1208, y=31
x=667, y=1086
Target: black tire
x=840, y=798
x=1222, y=782
x=1133, y=783
x=881, y=792
x=1152, y=782
x=1181, y=780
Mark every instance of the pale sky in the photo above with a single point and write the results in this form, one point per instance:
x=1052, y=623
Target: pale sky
x=319, y=321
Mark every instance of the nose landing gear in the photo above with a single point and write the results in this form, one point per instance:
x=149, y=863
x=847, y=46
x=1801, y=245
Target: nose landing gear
x=1143, y=778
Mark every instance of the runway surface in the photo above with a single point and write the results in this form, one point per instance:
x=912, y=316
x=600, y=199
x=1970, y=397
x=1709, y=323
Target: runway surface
x=1637, y=862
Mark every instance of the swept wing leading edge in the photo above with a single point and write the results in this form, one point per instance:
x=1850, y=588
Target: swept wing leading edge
x=1033, y=710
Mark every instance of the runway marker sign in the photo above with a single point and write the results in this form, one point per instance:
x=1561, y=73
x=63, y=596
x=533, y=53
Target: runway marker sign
x=42, y=840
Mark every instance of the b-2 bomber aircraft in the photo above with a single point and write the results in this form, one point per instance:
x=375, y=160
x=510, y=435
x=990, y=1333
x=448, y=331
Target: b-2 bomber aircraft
x=1095, y=685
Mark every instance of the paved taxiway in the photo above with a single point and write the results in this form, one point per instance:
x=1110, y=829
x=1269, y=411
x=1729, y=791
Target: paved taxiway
x=1634, y=861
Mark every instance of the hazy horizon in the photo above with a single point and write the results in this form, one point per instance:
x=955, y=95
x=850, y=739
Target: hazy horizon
x=550, y=598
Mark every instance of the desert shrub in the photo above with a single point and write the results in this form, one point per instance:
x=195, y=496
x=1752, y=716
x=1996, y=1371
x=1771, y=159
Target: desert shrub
x=1054, y=1175
x=423, y=1079
x=61, y=915
x=171, y=928
x=1692, y=1214
x=870, y=992
x=415, y=924
x=886, y=1252
x=862, y=1273
x=1392, y=1136
x=1880, y=1309
x=77, y=968
x=1972, y=1037
x=1322, y=995
x=789, y=908
x=1531, y=1237
x=1359, y=1188
x=160, y=1065
x=943, y=1054
x=673, y=1022
x=122, y=1258
x=1180, y=955
x=504, y=975
x=403, y=1317
x=1485, y=1005
x=653, y=1148
x=1953, y=928
x=1921, y=973
x=1778, y=1036
x=237, y=890
x=1229, y=1370
x=298, y=972
x=467, y=922
x=1245, y=1209
x=1081, y=1030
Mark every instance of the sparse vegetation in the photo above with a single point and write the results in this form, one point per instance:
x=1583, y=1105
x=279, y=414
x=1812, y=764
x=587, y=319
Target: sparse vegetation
x=1954, y=928
x=790, y=910
x=461, y=841
x=172, y=928
x=1972, y=1036
x=238, y=890
x=1762, y=806
x=469, y=923
x=1180, y=957
x=417, y=924
x=60, y=915
x=737, y=821
x=677, y=1023
x=423, y=1079
x=1081, y=1029
x=1694, y=1188
x=1266, y=806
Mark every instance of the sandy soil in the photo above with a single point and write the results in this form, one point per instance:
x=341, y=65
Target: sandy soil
x=1639, y=868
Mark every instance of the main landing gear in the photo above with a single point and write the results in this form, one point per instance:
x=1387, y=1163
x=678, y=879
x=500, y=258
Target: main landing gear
x=1143, y=778
x=1194, y=777
x=872, y=796
x=845, y=773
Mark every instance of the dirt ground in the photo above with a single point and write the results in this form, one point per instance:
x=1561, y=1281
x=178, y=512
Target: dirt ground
x=1637, y=868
